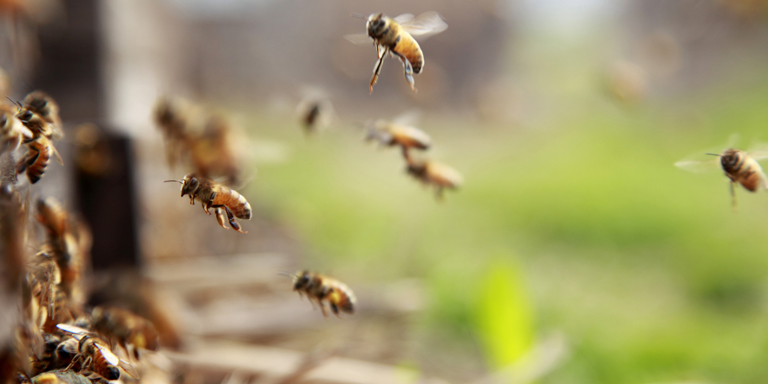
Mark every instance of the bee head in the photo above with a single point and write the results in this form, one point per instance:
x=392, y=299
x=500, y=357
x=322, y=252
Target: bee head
x=730, y=157
x=418, y=169
x=189, y=184
x=301, y=280
x=376, y=25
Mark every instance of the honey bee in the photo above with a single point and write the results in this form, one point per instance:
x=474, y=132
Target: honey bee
x=39, y=103
x=321, y=288
x=63, y=245
x=96, y=355
x=59, y=376
x=315, y=110
x=395, y=36
x=35, y=161
x=391, y=133
x=435, y=174
x=214, y=195
x=12, y=131
x=739, y=166
x=125, y=328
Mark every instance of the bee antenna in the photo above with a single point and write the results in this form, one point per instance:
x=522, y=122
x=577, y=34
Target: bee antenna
x=713, y=154
x=285, y=274
x=14, y=101
x=357, y=15
x=171, y=181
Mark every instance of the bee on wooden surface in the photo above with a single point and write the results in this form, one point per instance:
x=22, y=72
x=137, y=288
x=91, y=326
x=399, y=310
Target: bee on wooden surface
x=739, y=166
x=435, y=174
x=214, y=195
x=12, y=131
x=395, y=36
x=323, y=289
x=398, y=132
x=35, y=161
x=95, y=355
x=125, y=328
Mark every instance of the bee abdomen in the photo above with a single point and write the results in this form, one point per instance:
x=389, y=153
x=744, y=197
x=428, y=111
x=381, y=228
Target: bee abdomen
x=241, y=209
x=36, y=164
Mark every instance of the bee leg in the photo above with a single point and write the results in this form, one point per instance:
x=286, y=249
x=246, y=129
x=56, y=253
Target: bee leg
x=377, y=68
x=191, y=200
x=733, y=196
x=325, y=311
x=439, y=194
x=220, y=217
x=232, y=222
x=335, y=309
x=408, y=73
x=406, y=155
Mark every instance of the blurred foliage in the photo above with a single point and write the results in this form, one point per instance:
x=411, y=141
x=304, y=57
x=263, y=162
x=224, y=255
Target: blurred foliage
x=504, y=318
x=644, y=267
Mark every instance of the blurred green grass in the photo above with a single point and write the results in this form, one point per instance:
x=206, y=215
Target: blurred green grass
x=643, y=266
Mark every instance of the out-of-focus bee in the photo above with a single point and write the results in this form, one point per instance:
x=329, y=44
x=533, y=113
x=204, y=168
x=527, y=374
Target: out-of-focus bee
x=395, y=36
x=214, y=195
x=98, y=358
x=63, y=245
x=92, y=152
x=172, y=115
x=42, y=282
x=35, y=162
x=391, y=133
x=435, y=174
x=12, y=131
x=211, y=151
x=125, y=328
x=739, y=166
x=323, y=289
x=315, y=111
x=59, y=376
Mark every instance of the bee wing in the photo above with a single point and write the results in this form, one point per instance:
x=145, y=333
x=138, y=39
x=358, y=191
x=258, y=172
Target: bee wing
x=108, y=355
x=56, y=155
x=424, y=25
x=358, y=38
x=76, y=332
x=697, y=166
x=129, y=369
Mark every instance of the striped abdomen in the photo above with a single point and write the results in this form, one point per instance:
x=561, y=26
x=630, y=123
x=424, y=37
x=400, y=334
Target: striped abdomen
x=37, y=158
x=233, y=200
x=741, y=168
x=407, y=47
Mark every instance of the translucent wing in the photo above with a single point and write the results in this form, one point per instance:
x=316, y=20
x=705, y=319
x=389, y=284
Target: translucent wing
x=424, y=25
x=359, y=38
x=129, y=369
x=56, y=155
x=698, y=166
x=77, y=332
x=759, y=151
x=108, y=355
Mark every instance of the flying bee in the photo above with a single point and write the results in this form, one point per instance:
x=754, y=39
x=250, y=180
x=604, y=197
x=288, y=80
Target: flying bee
x=98, y=358
x=34, y=163
x=315, y=110
x=739, y=166
x=12, y=131
x=398, y=132
x=435, y=174
x=395, y=36
x=321, y=288
x=214, y=195
x=125, y=328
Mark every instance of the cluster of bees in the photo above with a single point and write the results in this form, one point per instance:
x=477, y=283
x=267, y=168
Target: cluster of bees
x=57, y=339
x=209, y=155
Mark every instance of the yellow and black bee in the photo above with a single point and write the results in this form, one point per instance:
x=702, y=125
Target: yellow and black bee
x=435, y=174
x=323, y=289
x=395, y=36
x=214, y=195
